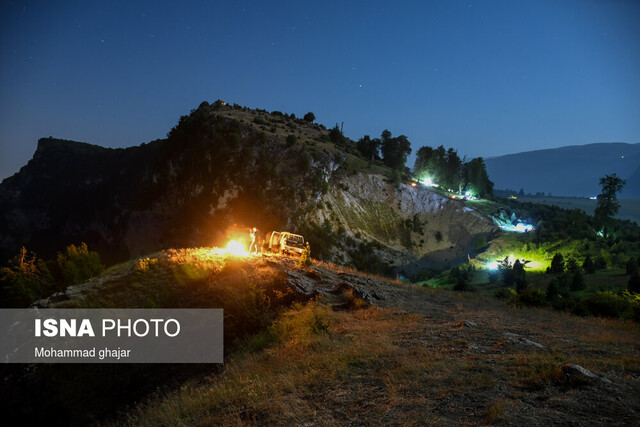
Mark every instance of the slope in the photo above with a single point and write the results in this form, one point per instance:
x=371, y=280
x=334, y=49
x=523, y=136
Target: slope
x=387, y=353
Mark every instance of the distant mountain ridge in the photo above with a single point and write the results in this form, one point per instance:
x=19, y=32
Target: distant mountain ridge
x=568, y=171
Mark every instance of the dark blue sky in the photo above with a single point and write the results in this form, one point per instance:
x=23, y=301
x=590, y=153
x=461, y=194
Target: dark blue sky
x=486, y=77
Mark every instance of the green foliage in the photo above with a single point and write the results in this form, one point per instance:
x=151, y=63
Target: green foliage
x=77, y=264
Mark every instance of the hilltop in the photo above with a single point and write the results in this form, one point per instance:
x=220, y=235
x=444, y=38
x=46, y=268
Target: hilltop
x=568, y=171
x=364, y=349
x=224, y=167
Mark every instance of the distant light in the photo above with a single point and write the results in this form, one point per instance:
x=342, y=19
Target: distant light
x=593, y=198
x=413, y=184
x=492, y=265
x=518, y=228
x=429, y=182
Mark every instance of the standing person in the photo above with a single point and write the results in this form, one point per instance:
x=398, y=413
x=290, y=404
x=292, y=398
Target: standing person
x=258, y=240
x=252, y=234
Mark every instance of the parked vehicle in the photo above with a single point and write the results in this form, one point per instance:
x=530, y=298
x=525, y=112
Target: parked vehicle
x=284, y=242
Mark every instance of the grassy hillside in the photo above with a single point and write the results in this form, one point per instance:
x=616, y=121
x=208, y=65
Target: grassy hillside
x=329, y=345
x=437, y=358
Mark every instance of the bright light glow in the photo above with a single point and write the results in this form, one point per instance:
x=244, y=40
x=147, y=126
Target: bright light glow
x=593, y=198
x=518, y=228
x=429, y=182
x=236, y=248
x=413, y=184
x=467, y=193
x=492, y=265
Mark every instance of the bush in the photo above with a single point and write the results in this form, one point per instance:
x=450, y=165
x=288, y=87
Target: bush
x=25, y=280
x=606, y=304
x=577, y=283
x=532, y=296
x=588, y=265
x=309, y=117
x=632, y=266
x=462, y=285
x=305, y=257
x=552, y=290
x=504, y=293
x=291, y=140
x=634, y=283
x=77, y=264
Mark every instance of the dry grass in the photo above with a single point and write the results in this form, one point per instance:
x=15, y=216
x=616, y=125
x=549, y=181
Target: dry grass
x=385, y=366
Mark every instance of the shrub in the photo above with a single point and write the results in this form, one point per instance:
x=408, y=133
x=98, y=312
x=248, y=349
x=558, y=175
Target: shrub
x=77, y=264
x=552, y=290
x=309, y=117
x=634, y=283
x=291, y=140
x=632, y=266
x=25, y=280
x=572, y=265
x=588, y=265
x=606, y=304
x=462, y=285
x=600, y=262
x=532, y=296
x=305, y=257
x=577, y=283
x=504, y=293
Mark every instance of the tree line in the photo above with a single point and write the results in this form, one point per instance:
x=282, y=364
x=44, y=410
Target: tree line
x=445, y=168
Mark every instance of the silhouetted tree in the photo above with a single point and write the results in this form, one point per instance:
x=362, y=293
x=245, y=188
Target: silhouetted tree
x=368, y=147
x=608, y=204
x=476, y=178
x=394, y=150
x=519, y=276
x=335, y=135
x=557, y=264
x=309, y=117
x=632, y=266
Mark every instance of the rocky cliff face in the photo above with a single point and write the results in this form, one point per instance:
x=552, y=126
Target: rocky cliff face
x=222, y=166
x=414, y=227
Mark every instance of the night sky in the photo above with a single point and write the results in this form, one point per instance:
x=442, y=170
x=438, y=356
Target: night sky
x=486, y=77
